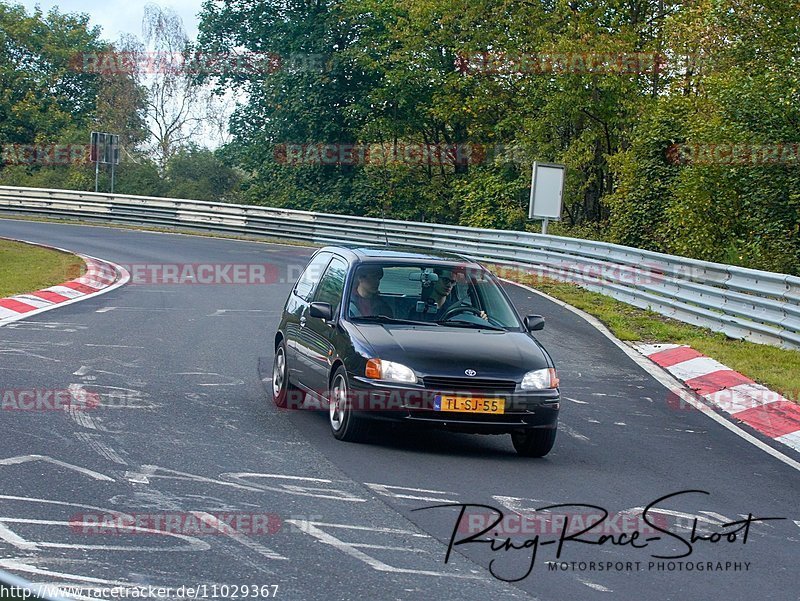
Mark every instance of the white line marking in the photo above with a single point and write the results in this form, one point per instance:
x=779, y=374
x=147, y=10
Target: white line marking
x=16, y=564
x=28, y=354
x=293, y=489
x=82, y=470
x=16, y=540
x=370, y=529
x=383, y=489
x=141, y=477
x=112, y=346
x=231, y=381
x=386, y=548
x=100, y=447
x=666, y=379
x=192, y=543
x=237, y=536
x=349, y=549
x=595, y=586
x=150, y=309
x=220, y=312
x=102, y=371
x=84, y=369
x=149, y=471
x=105, y=309
x=576, y=401
x=573, y=433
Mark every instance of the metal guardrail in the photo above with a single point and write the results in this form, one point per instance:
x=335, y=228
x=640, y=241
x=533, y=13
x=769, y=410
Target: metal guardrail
x=748, y=304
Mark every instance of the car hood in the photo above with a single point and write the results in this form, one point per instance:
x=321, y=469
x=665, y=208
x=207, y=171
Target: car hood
x=451, y=351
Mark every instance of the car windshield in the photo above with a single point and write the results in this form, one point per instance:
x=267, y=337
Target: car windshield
x=443, y=295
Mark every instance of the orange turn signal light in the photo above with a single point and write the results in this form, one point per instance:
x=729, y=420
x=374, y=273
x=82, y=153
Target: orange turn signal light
x=374, y=369
x=554, y=381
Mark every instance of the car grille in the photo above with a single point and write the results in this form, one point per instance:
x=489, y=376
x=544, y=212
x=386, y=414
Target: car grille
x=469, y=384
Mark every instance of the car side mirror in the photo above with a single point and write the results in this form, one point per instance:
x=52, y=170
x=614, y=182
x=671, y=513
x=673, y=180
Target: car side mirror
x=534, y=323
x=323, y=311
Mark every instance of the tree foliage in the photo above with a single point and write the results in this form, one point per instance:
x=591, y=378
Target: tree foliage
x=447, y=72
x=674, y=147
x=42, y=95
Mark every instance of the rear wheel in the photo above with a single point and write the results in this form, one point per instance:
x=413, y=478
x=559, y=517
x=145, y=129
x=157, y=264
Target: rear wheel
x=534, y=443
x=345, y=424
x=282, y=389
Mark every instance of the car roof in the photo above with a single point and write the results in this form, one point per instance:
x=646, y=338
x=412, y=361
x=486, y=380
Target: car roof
x=401, y=253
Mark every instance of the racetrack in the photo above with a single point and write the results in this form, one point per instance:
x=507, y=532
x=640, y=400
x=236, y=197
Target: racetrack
x=185, y=426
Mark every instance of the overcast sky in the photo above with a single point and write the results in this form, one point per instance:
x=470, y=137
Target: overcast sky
x=120, y=16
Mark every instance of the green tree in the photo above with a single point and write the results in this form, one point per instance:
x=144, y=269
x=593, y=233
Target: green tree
x=199, y=174
x=42, y=90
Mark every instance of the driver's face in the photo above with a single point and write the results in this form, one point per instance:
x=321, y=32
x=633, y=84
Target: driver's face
x=444, y=285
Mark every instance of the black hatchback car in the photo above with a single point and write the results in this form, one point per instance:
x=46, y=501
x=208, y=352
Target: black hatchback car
x=414, y=336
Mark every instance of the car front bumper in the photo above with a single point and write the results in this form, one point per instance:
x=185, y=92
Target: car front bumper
x=380, y=400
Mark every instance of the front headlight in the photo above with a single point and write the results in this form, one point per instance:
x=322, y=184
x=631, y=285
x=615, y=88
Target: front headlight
x=540, y=379
x=378, y=369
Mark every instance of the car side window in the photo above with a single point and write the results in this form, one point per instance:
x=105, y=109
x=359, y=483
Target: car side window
x=331, y=287
x=307, y=284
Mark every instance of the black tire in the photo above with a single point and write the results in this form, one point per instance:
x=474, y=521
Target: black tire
x=534, y=443
x=282, y=388
x=345, y=424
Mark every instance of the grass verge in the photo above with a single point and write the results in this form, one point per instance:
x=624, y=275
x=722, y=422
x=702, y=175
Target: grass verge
x=27, y=268
x=777, y=369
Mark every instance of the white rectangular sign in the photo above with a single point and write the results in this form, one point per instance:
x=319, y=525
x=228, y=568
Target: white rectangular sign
x=547, y=190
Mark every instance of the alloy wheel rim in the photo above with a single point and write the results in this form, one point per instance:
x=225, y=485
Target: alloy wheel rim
x=278, y=372
x=337, y=403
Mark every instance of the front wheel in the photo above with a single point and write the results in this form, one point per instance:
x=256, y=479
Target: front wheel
x=534, y=443
x=345, y=424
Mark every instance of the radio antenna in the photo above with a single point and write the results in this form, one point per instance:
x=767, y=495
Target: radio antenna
x=383, y=223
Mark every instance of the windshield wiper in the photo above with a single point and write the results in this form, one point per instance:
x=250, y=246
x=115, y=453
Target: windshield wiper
x=469, y=324
x=387, y=319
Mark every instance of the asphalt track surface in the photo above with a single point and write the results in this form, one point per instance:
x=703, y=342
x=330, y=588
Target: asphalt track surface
x=186, y=428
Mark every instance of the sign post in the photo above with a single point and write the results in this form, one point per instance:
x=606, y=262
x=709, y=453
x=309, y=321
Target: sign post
x=547, y=191
x=104, y=149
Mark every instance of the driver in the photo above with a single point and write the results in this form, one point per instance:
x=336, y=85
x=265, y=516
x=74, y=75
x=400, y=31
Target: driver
x=440, y=292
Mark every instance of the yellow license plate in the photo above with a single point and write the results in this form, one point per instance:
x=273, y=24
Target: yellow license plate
x=466, y=404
